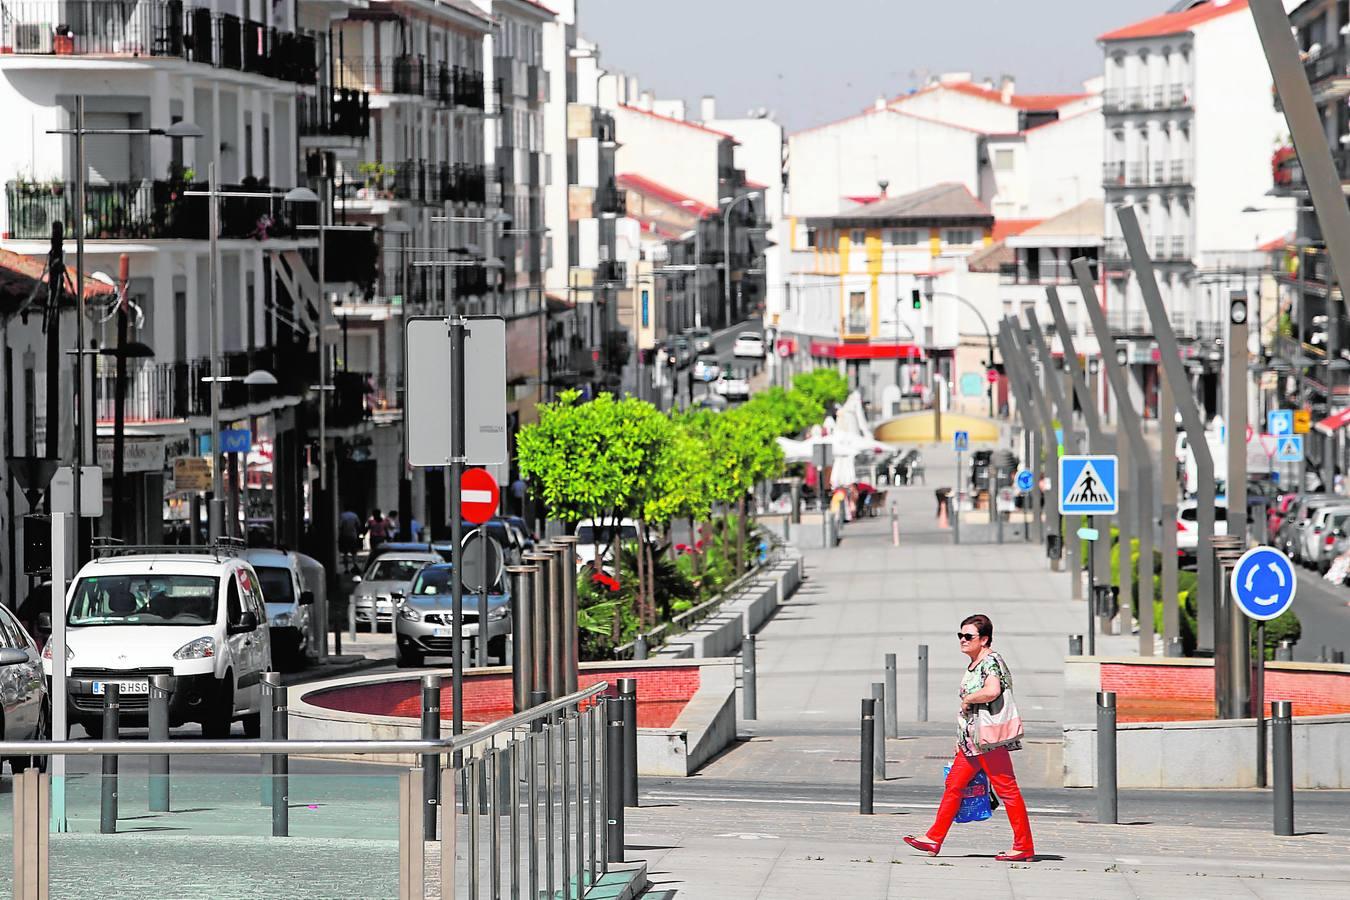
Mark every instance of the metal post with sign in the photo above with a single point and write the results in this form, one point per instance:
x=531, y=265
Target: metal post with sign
x=1070, y=440
x=961, y=444
x=1263, y=585
x=823, y=459
x=1089, y=486
x=471, y=428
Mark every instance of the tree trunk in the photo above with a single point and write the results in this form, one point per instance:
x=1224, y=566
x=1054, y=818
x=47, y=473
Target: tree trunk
x=740, y=535
x=641, y=561
x=651, y=581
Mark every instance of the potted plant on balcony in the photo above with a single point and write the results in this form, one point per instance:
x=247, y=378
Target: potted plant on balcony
x=63, y=41
x=1282, y=163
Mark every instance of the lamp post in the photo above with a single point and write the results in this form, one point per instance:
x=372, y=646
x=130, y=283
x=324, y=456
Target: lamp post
x=987, y=334
x=79, y=132
x=726, y=244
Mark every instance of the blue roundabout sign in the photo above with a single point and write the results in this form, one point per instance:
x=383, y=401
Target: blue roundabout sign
x=1264, y=583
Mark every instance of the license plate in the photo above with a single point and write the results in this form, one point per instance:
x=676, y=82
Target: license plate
x=440, y=632
x=124, y=687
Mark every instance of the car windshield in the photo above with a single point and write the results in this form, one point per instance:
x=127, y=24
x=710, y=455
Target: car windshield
x=604, y=534
x=747, y=336
x=277, y=584
x=144, y=600
x=433, y=580
x=393, y=569
x=1220, y=514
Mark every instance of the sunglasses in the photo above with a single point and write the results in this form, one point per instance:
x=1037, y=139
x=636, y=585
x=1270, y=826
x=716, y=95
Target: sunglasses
x=962, y=636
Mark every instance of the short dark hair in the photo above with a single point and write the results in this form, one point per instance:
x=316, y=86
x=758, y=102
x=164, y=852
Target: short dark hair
x=983, y=626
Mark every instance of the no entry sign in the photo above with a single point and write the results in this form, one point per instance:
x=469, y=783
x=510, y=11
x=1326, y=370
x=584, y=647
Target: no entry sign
x=478, y=495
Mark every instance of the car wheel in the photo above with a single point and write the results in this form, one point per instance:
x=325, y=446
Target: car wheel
x=408, y=658
x=497, y=648
x=218, y=720
x=252, y=725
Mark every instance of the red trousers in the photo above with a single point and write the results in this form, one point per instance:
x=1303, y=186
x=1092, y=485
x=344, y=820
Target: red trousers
x=997, y=765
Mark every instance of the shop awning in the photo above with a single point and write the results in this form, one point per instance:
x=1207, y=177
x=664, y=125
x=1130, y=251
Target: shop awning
x=1336, y=420
x=848, y=350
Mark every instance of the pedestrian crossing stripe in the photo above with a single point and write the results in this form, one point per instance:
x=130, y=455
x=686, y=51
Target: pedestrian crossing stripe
x=1087, y=485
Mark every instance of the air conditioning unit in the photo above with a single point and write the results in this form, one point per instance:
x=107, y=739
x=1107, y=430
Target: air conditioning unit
x=29, y=38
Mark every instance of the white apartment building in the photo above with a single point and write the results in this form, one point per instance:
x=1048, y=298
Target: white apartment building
x=1189, y=136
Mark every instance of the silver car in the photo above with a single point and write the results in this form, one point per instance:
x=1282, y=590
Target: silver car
x=23, y=691
x=386, y=576
x=290, y=608
x=424, y=626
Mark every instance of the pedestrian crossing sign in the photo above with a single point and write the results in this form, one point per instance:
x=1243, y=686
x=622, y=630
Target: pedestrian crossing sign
x=1088, y=485
x=1289, y=448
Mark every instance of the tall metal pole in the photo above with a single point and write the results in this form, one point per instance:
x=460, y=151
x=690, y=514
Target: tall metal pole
x=457, y=423
x=1239, y=678
x=1016, y=355
x=77, y=459
x=698, y=275
x=322, y=342
x=1129, y=422
x=1170, y=354
x=1167, y=444
x=216, y=510
x=1065, y=408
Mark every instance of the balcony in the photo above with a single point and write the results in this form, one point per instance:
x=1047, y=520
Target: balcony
x=168, y=29
x=341, y=112
x=612, y=202
x=1120, y=174
x=142, y=210
x=1131, y=322
x=1287, y=173
x=414, y=76
x=1332, y=63
x=468, y=184
x=1139, y=99
x=611, y=272
x=470, y=281
x=468, y=88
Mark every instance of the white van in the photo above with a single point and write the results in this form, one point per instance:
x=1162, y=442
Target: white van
x=198, y=616
x=290, y=608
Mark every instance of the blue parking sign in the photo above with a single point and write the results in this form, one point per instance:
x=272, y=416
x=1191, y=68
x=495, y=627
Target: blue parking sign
x=1280, y=422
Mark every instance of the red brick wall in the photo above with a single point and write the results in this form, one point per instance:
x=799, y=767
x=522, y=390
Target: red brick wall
x=1162, y=693
x=662, y=695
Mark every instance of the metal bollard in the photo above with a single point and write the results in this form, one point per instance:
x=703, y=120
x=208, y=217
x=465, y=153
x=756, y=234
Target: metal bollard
x=281, y=762
x=614, y=783
x=522, y=634
x=351, y=618
x=540, y=648
x=879, y=731
x=1322, y=655
x=557, y=622
x=1285, y=651
x=107, y=807
x=1282, y=762
x=265, y=732
x=161, y=688
x=749, y=699
x=921, y=683
x=865, y=757
x=1075, y=645
x=571, y=635
x=431, y=762
x=1174, y=648
x=1107, y=812
x=895, y=528
x=1338, y=657
x=640, y=646
x=892, y=704
x=628, y=704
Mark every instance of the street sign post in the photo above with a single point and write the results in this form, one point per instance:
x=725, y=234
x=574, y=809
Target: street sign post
x=1280, y=422
x=478, y=495
x=1025, y=480
x=236, y=440
x=1302, y=421
x=960, y=443
x=1289, y=448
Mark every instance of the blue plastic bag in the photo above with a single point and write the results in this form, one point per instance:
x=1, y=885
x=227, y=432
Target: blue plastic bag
x=974, y=799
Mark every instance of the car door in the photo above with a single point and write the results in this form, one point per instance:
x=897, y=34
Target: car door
x=254, y=653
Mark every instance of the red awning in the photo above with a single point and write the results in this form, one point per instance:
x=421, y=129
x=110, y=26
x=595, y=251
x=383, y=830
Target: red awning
x=841, y=350
x=1334, y=421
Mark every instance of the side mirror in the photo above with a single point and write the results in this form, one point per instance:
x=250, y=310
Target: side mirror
x=306, y=598
x=356, y=578
x=397, y=596
x=44, y=621
x=9, y=656
x=248, y=622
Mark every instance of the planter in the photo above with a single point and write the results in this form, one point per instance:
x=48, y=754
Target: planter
x=63, y=45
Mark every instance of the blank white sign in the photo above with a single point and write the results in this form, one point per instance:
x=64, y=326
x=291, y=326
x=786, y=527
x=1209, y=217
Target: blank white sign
x=427, y=407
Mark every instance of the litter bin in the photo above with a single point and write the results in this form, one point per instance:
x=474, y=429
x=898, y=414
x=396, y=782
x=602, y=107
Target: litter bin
x=1107, y=599
x=1054, y=546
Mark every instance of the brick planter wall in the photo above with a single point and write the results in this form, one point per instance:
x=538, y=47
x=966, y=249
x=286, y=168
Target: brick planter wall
x=1161, y=692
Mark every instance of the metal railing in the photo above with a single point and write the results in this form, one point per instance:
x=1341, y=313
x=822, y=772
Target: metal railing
x=1138, y=99
x=340, y=112
x=494, y=784
x=156, y=29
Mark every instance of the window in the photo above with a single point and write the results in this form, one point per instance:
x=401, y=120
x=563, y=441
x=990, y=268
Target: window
x=859, y=321
x=146, y=600
x=234, y=607
x=1003, y=160
x=10, y=632
x=958, y=235
x=903, y=237
x=857, y=237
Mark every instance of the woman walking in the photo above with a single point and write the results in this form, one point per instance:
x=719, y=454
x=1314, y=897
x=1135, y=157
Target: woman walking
x=989, y=728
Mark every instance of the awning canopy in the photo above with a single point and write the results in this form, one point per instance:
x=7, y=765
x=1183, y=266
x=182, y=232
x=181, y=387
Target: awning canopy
x=1334, y=421
x=849, y=350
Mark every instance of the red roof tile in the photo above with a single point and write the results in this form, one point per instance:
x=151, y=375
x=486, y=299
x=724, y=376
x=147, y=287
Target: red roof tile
x=1006, y=228
x=686, y=124
x=1018, y=101
x=660, y=192
x=1176, y=22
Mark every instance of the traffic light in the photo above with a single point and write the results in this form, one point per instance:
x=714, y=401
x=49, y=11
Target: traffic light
x=917, y=298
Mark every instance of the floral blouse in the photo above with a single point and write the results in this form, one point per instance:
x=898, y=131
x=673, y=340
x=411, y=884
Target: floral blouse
x=973, y=680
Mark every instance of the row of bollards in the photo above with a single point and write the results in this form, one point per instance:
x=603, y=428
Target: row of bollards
x=1282, y=762
x=880, y=720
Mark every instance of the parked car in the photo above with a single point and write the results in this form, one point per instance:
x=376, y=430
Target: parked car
x=732, y=387
x=424, y=626
x=1323, y=521
x=1188, y=528
x=23, y=693
x=290, y=608
x=749, y=344
x=595, y=538
x=1333, y=541
x=388, y=576
x=198, y=615
x=1278, y=510
x=701, y=337
x=707, y=368
x=1291, y=529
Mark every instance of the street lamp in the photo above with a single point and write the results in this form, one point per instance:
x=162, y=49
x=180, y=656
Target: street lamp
x=726, y=243
x=79, y=132
x=988, y=336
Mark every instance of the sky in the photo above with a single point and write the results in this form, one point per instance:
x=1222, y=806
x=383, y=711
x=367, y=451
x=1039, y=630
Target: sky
x=812, y=61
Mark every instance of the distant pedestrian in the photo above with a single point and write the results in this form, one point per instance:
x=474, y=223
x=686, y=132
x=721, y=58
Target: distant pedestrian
x=393, y=528
x=414, y=530
x=349, y=538
x=988, y=728
x=376, y=529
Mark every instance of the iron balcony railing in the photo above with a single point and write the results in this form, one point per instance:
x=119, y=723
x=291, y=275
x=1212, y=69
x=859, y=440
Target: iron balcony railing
x=1330, y=63
x=1176, y=95
x=141, y=210
x=156, y=28
x=341, y=112
x=613, y=202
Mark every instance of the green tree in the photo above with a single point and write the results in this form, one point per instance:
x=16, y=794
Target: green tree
x=791, y=412
x=742, y=450
x=826, y=386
